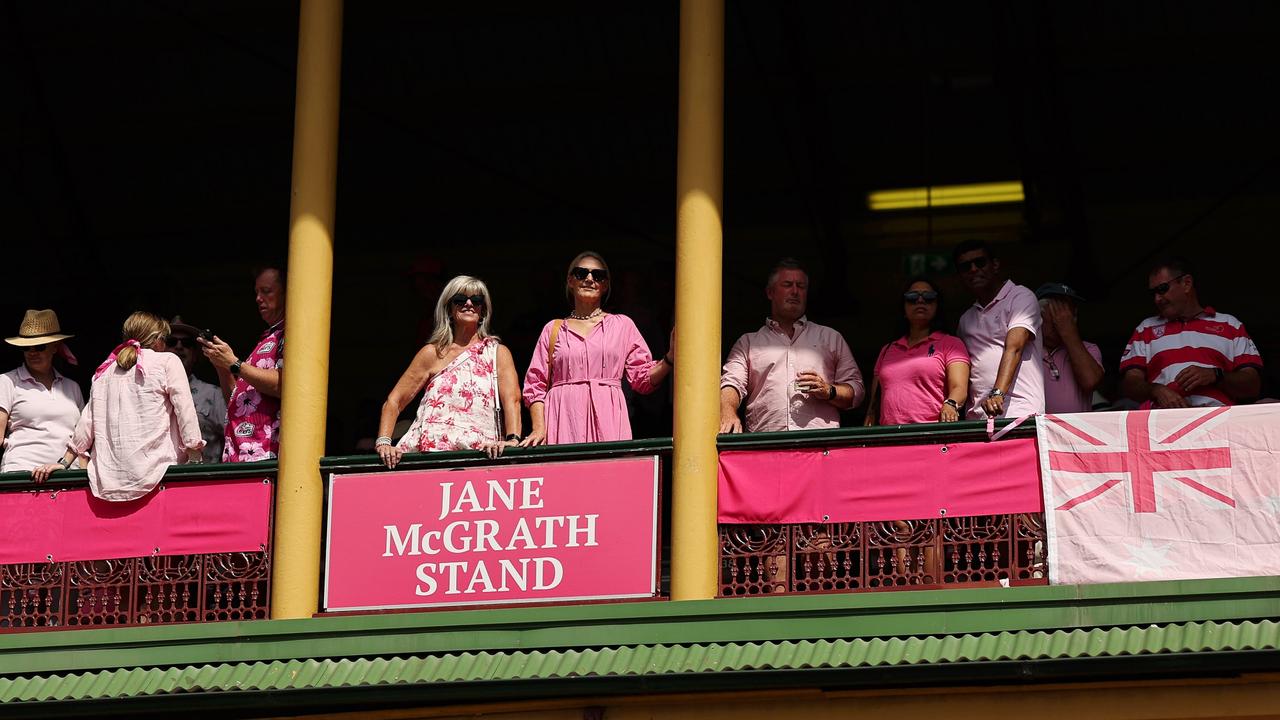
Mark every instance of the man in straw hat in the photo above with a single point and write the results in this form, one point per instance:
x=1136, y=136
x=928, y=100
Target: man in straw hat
x=39, y=406
x=211, y=405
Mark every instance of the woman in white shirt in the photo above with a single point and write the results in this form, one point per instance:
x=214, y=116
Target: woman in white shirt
x=39, y=406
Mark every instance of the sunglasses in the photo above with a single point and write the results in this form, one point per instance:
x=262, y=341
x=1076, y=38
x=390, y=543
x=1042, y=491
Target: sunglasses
x=174, y=341
x=581, y=273
x=1163, y=287
x=36, y=348
x=915, y=296
x=966, y=265
x=460, y=300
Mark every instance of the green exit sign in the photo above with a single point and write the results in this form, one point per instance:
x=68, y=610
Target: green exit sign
x=926, y=263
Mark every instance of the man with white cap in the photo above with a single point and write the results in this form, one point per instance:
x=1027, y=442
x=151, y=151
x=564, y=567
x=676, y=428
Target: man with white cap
x=211, y=404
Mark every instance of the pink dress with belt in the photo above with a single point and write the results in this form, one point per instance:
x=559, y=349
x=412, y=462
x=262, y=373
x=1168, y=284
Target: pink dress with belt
x=585, y=401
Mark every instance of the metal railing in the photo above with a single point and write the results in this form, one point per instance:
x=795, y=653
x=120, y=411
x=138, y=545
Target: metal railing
x=754, y=559
x=150, y=590
x=889, y=555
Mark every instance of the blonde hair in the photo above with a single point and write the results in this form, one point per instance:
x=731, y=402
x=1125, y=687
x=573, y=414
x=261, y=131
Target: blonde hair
x=144, y=327
x=442, y=336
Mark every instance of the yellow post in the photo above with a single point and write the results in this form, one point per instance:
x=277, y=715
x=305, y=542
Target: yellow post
x=295, y=573
x=699, y=246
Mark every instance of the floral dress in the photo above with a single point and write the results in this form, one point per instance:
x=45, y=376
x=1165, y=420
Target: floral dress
x=253, y=419
x=459, y=410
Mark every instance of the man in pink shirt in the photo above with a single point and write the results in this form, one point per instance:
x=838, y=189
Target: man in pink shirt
x=1002, y=333
x=1072, y=367
x=794, y=374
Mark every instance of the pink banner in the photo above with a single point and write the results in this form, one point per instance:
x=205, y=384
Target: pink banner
x=1162, y=495
x=868, y=484
x=487, y=535
x=181, y=518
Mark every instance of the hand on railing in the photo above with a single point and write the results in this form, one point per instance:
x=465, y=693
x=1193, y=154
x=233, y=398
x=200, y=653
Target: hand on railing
x=390, y=454
x=40, y=473
x=494, y=449
x=535, y=438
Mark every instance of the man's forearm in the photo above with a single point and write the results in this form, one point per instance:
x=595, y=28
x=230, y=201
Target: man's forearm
x=1009, y=360
x=1134, y=385
x=1087, y=372
x=1242, y=384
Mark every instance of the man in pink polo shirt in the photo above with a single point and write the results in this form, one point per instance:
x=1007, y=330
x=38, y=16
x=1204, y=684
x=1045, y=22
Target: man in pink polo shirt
x=1188, y=355
x=794, y=374
x=1002, y=334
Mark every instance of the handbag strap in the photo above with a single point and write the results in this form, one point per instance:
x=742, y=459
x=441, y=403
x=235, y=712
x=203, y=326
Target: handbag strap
x=551, y=349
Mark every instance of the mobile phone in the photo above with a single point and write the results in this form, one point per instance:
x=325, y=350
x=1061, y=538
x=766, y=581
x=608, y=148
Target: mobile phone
x=207, y=335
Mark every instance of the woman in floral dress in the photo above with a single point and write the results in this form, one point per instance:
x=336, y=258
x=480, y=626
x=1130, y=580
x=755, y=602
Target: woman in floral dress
x=472, y=398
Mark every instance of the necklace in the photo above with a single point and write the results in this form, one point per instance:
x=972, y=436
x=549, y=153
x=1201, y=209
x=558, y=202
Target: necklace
x=1053, y=366
x=592, y=314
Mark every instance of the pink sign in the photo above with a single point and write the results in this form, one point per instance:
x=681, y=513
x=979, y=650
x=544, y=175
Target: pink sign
x=178, y=518
x=487, y=535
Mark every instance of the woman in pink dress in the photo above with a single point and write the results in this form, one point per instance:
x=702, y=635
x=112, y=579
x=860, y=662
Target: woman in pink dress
x=140, y=418
x=574, y=384
x=468, y=375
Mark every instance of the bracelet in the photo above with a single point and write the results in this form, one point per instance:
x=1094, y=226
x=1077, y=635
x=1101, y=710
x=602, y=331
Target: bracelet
x=512, y=437
x=831, y=392
x=382, y=440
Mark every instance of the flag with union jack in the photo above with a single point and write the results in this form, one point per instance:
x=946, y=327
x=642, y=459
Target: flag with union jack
x=1161, y=495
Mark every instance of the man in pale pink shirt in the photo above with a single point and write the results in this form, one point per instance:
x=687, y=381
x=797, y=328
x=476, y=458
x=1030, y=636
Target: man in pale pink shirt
x=793, y=373
x=1002, y=334
x=1072, y=367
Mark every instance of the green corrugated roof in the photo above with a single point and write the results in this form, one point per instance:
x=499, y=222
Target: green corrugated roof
x=644, y=660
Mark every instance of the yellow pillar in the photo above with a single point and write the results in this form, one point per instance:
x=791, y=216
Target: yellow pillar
x=699, y=240
x=295, y=574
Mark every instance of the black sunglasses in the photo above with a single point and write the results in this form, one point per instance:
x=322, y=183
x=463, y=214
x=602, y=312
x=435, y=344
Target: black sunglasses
x=965, y=265
x=1163, y=287
x=36, y=348
x=174, y=341
x=915, y=296
x=461, y=300
x=581, y=273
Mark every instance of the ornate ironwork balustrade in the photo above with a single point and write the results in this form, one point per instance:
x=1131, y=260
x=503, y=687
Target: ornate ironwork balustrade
x=891, y=555
x=153, y=590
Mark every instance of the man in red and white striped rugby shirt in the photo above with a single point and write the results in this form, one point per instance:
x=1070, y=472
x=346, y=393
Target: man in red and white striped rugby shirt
x=1188, y=355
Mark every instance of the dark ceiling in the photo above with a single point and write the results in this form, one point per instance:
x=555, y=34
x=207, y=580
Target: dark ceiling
x=148, y=157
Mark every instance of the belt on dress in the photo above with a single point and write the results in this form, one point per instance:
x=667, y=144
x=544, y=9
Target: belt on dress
x=590, y=381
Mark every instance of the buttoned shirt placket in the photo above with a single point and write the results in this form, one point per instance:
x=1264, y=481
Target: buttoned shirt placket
x=792, y=404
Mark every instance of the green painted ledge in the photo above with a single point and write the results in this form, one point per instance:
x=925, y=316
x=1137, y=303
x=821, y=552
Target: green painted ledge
x=521, y=674
x=766, y=619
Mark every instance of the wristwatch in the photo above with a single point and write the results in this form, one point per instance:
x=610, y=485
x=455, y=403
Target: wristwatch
x=1218, y=374
x=831, y=392
x=995, y=392
x=235, y=368
x=512, y=437
x=952, y=403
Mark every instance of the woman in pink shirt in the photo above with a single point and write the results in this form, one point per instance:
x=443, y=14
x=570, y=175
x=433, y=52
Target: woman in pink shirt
x=140, y=418
x=574, y=384
x=923, y=376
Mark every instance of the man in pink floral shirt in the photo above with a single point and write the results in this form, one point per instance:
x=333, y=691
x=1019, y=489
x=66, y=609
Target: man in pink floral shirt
x=252, y=385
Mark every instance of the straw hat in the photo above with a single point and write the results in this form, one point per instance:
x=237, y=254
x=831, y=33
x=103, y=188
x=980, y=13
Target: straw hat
x=38, y=327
